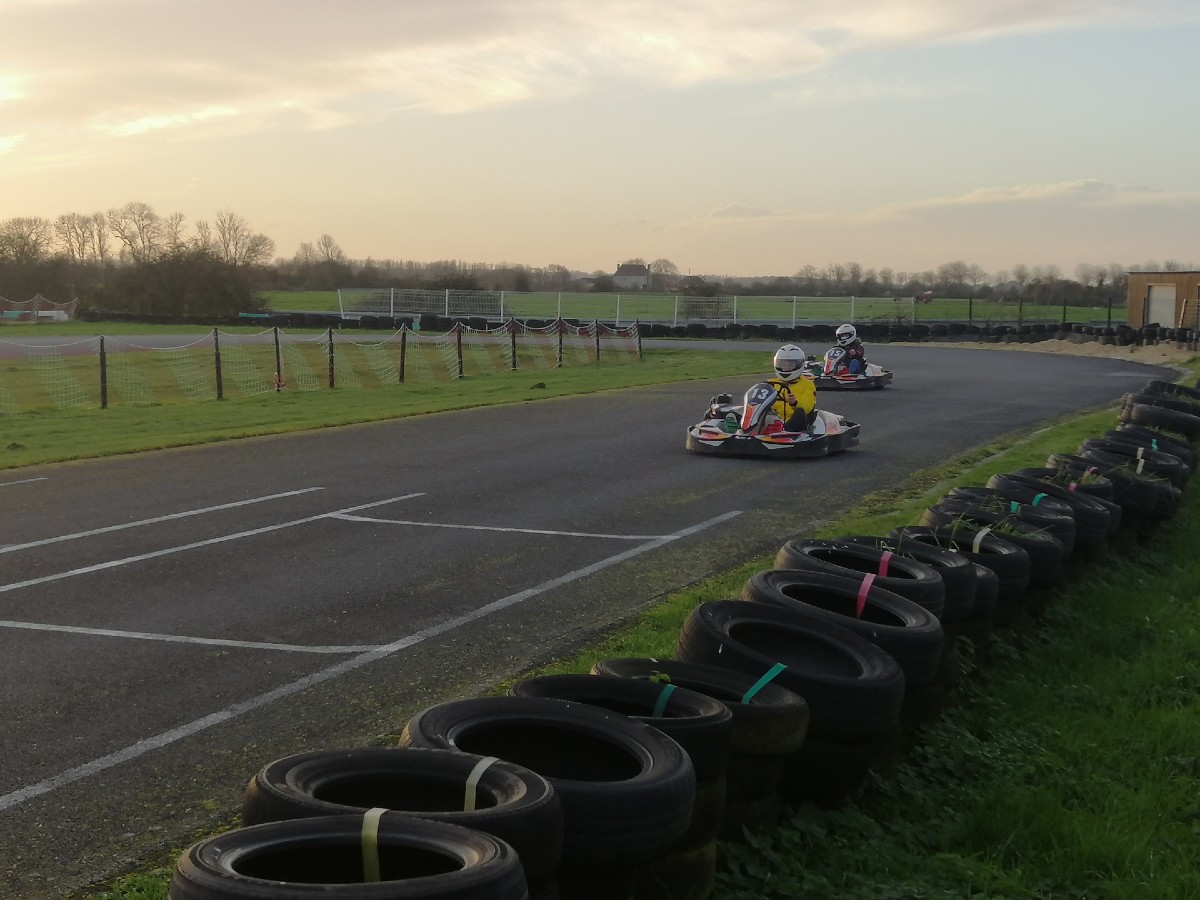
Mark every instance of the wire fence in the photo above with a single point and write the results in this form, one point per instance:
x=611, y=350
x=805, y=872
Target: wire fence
x=103, y=371
x=680, y=309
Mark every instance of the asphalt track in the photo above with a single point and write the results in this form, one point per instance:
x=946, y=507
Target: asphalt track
x=171, y=621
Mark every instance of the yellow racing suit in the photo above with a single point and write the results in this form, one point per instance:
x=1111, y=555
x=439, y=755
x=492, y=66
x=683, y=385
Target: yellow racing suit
x=797, y=398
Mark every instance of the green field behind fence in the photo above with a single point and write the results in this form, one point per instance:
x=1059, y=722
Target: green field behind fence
x=672, y=308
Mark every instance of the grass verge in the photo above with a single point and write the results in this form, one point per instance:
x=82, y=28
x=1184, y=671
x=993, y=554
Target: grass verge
x=1068, y=769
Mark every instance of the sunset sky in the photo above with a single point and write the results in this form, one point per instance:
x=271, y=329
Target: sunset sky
x=732, y=138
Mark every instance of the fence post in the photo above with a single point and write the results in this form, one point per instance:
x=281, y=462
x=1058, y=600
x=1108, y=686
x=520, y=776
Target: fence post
x=329, y=332
x=217, y=365
x=1020, y=310
x=278, y=362
x=103, y=375
x=447, y=299
x=1109, y=319
x=793, y=311
x=852, y=309
x=512, y=338
x=560, y=327
x=637, y=323
x=617, y=320
x=596, y=329
x=502, y=306
x=403, y=350
x=675, y=313
x=458, y=330
x=392, y=302
x=970, y=310
x=735, y=321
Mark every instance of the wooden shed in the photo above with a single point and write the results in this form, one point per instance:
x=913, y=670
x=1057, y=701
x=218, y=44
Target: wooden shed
x=1169, y=299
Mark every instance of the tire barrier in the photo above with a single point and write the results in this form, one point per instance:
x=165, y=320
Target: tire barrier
x=907, y=632
x=618, y=784
x=627, y=790
x=854, y=689
x=769, y=723
x=504, y=800
x=350, y=857
x=1046, y=552
x=1007, y=561
x=907, y=577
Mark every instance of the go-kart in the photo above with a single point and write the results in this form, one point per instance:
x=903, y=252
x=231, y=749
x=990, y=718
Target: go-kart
x=830, y=373
x=753, y=429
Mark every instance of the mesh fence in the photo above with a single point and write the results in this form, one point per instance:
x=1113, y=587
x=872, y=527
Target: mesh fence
x=107, y=371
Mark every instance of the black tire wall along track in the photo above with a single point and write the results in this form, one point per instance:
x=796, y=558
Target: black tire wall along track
x=909, y=633
x=853, y=688
x=904, y=576
x=323, y=858
x=510, y=802
x=627, y=790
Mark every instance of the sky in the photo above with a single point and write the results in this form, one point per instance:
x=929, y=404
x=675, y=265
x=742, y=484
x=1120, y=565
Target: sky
x=747, y=138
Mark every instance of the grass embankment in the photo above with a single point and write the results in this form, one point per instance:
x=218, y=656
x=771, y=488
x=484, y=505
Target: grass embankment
x=1067, y=770
x=49, y=435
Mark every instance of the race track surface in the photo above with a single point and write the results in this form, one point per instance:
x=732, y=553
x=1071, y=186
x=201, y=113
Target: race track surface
x=171, y=621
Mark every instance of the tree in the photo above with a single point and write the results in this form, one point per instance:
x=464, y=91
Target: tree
x=25, y=239
x=237, y=244
x=138, y=228
x=329, y=251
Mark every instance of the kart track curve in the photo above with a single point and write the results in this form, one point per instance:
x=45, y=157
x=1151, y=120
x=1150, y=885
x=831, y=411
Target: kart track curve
x=171, y=621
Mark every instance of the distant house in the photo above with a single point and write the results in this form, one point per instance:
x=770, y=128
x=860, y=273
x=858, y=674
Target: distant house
x=631, y=277
x=1169, y=299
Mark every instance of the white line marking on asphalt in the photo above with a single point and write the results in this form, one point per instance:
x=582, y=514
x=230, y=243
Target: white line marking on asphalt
x=155, y=520
x=114, y=563
x=587, y=534
x=165, y=738
x=184, y=639
x=22, y=481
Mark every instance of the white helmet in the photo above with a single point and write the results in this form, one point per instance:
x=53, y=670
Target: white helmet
x=789, y=362
x=845, y=334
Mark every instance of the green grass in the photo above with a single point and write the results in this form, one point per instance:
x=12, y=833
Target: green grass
x=1068, y=770
x=50, y=435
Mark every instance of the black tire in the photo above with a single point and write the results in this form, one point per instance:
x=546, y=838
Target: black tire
x=957, y=573
x=1063, y=479
x=1044, y=550
x=901, y=575
x=1178, y=404
x=509, y=801
x=1181, y=423
x=702, y=725
x=1143, y=496
x=1156, y=440
x=909, y=633
x=1009, y=562
x=979, y=628
x=1170, y=389
x=853, y=688
x=769, y=721
x=323, y=858
x=1092, y=519
x=1139, y=458
x=1052, y=518
x=627, y=790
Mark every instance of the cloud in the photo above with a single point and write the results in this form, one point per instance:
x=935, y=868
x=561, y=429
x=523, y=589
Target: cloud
x=145, y=61
x=1065, y=224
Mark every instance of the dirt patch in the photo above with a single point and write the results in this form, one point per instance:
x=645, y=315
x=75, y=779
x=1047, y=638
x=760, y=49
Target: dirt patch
x=1162, y=354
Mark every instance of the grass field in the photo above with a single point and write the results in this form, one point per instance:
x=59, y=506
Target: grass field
x=1068, y=769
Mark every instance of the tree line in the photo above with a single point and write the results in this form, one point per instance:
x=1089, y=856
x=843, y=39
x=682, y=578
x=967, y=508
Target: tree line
x=132, y=259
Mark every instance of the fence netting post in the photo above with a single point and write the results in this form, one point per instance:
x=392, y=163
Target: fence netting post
x=329, y=332
x=103, y=375
x=217, y=365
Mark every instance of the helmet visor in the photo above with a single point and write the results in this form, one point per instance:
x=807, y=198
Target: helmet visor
x=787, y=365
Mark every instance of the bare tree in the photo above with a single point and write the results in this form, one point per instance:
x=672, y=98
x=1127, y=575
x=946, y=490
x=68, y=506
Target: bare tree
x=238, y=244
x=306, y=254
x=329, y=251
x=26, y=239
x=74, y=235
x=99, y=234
x=172, y=232
x=138, y=228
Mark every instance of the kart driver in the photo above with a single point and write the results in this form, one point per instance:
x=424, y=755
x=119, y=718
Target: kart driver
x=797, y=393
x=855, y=358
